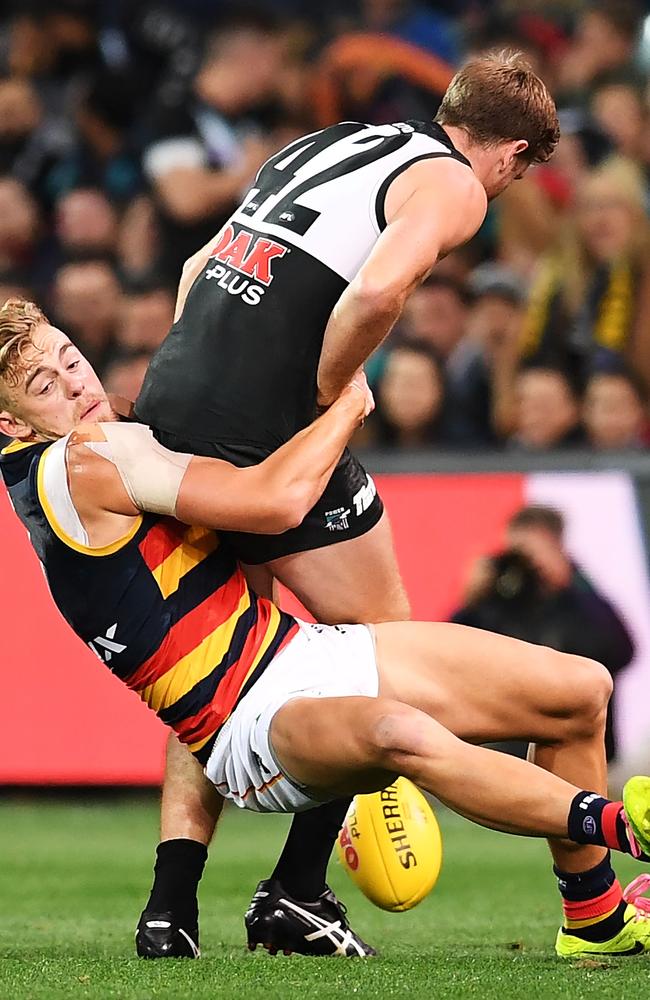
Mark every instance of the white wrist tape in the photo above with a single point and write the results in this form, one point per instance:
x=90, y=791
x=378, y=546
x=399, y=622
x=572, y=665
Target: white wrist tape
x=151, y=474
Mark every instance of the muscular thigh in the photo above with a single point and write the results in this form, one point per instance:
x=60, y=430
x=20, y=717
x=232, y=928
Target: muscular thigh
x=357, y=580
x=479, y=685
x=323, y=744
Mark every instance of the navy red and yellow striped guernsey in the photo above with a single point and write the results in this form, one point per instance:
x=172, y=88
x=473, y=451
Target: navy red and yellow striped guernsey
x=166, y=608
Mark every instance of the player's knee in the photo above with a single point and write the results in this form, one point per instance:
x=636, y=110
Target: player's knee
x=590, y=686
x=394, y=732
x=596, y=686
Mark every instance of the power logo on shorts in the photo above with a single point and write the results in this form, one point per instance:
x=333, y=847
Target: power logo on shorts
x=251, y=257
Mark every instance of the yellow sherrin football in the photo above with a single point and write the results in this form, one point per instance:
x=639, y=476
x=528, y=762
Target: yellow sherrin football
x=390, y=845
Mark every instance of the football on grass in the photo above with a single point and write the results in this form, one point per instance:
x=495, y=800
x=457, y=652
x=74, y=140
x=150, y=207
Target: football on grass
x=390, y=845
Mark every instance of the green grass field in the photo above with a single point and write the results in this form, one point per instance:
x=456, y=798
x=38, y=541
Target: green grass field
x=73, y=878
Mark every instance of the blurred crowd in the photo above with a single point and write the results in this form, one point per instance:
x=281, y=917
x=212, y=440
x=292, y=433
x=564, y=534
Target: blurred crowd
x=130, y=130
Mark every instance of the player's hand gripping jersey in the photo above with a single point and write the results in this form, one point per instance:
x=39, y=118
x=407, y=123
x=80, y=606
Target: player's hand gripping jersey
x=239, y=367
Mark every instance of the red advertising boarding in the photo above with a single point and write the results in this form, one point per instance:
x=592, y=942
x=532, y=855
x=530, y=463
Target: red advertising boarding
x=66, y=720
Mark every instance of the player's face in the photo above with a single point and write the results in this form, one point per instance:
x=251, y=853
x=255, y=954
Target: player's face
x=58, y=390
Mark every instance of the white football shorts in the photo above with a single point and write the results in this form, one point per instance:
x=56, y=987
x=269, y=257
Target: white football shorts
x=322, y=661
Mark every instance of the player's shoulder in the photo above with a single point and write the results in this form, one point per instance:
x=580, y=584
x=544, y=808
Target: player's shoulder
x=87, y=431
x=444, y=171
x=83, y=465
x=120, y=432
x=92, y=463
x=87, y=451
x=442, y=182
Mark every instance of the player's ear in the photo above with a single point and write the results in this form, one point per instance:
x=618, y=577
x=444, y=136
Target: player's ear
x=510, y=151
x=13, y=426
x=518, y=147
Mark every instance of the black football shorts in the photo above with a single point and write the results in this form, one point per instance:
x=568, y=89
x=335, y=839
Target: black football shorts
x=349, y=507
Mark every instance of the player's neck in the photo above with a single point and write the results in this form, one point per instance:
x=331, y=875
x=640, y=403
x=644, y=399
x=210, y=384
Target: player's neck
x=477, y=155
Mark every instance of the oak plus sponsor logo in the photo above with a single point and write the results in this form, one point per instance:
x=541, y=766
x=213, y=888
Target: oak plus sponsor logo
x=242, y=263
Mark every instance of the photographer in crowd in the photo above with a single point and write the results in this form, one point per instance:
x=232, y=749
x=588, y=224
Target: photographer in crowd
x=534, y=591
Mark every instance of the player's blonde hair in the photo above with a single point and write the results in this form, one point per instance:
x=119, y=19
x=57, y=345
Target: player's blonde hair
x=496, y=97
x=18, y=320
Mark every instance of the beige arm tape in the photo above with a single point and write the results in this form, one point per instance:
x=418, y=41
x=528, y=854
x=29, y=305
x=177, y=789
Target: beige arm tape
x=151, y=474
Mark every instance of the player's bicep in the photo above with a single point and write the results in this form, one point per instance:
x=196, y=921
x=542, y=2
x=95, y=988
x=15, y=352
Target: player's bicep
x=447, y=193
x=431, y=208
x=405, y=252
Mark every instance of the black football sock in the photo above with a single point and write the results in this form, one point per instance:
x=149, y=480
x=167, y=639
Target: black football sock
x=594, y=908
x=596, y=820
x=302, y=866
x=177, y=873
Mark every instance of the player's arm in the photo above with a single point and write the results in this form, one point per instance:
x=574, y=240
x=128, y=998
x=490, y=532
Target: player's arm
x=278, y=493
x=431, y=208
x=117, y=470
x=192, y=268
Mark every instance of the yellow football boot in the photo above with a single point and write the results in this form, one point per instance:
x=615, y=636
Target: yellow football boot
x=633, y=937
x=636, y=803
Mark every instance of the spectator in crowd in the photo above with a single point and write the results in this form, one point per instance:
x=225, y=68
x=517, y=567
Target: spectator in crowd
x=618, y=107
x=614, y=412
x=481, y=372
x=161, y=42
x=55, y=43
x=583, y=147
x=138, y=239
x=410, y=397
x=436, y=312
x=20, y=115
x=103, y=155
x=208, y=149
x=86, y=224
x=13, y=285
x=87, y=303
x=24, y=249
x=534, y=591
x=604, y=42
x=412, y=22
x=19, y=224
x=145, y=318
x=129, y=132
x=31, y=142
x=531, y=214
x=546, y=411
x=396, y=65
x=590, y=304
